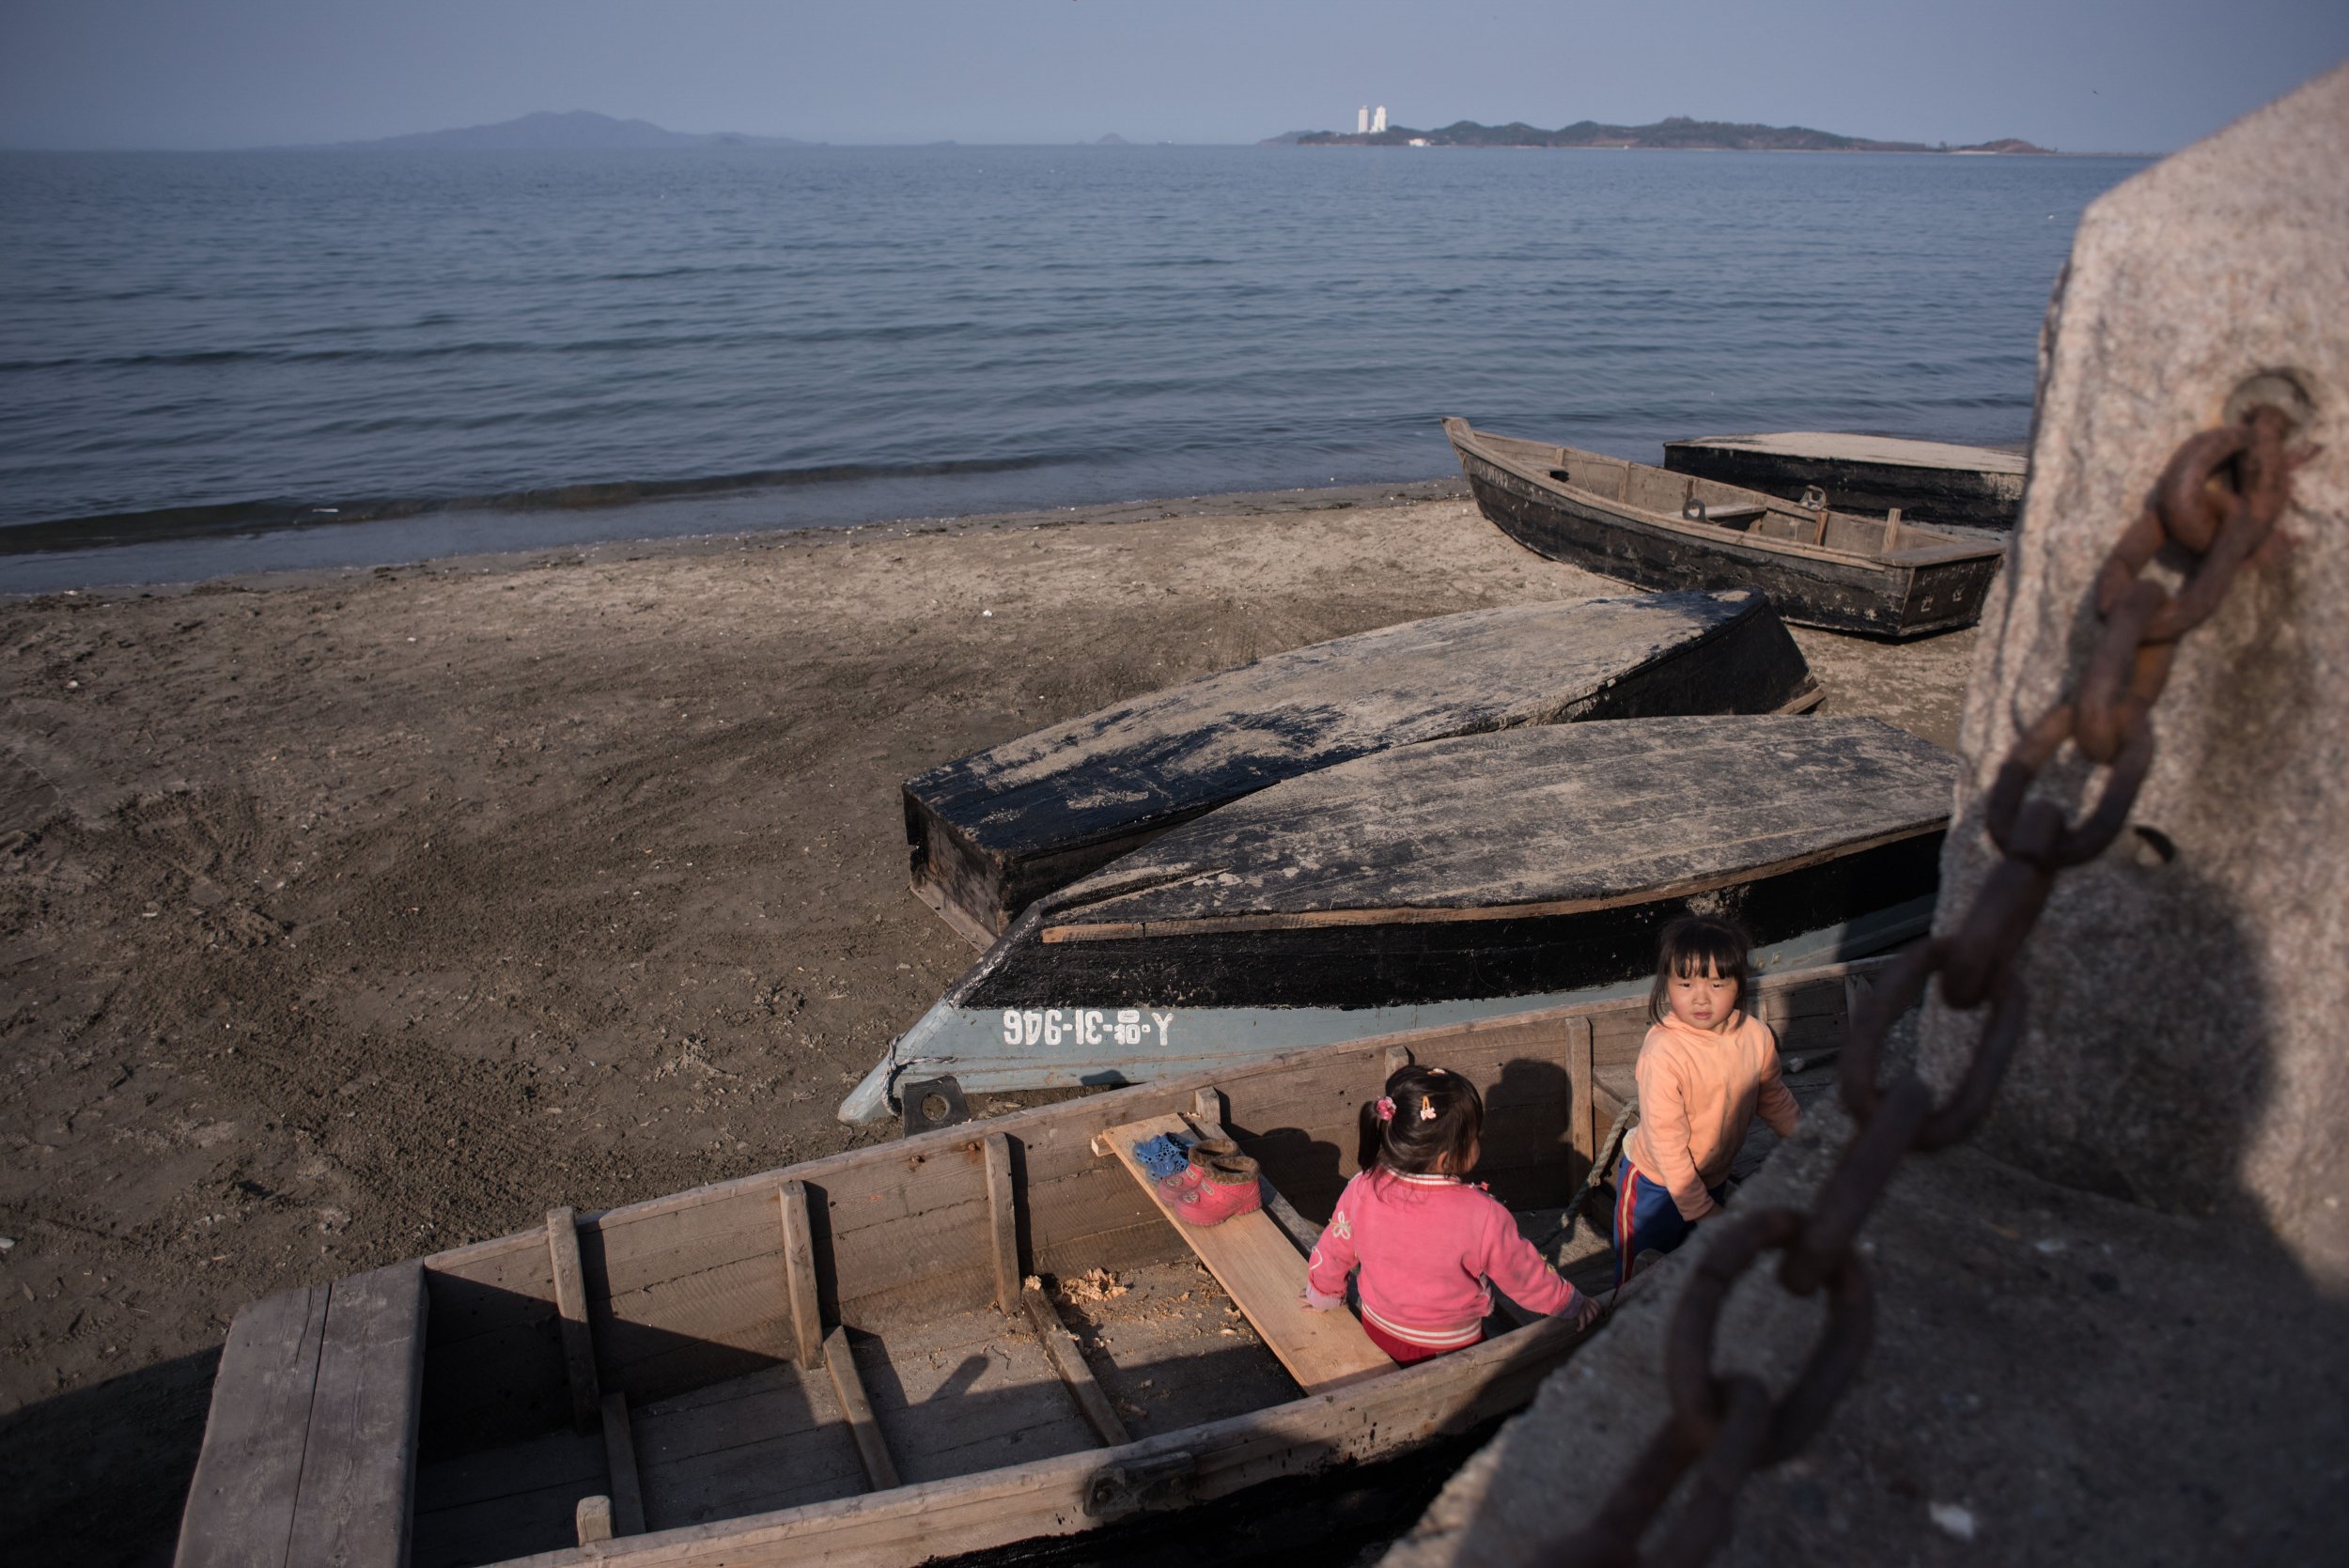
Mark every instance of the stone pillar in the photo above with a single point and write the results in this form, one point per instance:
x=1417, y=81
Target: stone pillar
x=2190, y=1036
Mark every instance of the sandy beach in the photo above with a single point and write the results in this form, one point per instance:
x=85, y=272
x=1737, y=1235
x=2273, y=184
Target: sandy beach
x=353, y=917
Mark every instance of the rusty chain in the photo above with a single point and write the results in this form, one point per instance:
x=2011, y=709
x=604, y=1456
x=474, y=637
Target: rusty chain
x=2216, y=507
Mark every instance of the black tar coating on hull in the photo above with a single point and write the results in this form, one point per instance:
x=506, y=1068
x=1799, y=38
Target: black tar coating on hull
x=1405, y=963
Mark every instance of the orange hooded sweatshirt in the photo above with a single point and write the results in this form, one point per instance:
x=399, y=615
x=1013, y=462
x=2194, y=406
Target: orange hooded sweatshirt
x=1699, y=1093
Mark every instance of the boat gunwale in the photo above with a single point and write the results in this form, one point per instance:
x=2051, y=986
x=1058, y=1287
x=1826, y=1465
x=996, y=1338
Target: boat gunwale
x=1434, y=914
x=1947, y=549
x=2021, y=460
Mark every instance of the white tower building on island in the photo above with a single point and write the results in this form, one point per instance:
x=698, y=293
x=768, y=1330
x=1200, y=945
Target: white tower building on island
x=1362, y=120
x=1378, y=120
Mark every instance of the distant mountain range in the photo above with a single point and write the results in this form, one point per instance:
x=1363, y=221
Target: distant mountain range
x=1680, y=132
x=583, y=131
x=579, y=131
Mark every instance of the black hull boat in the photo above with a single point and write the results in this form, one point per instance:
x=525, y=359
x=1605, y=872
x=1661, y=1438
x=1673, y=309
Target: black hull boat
x=1879, y=577
x=991, y=832
x=1432, y=884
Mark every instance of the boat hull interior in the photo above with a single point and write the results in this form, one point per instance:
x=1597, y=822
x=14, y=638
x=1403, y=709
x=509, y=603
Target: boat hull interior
x=843, y=1361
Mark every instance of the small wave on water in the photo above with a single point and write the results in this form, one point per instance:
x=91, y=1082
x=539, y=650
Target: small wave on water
x=389, y=354
x=214, y=363
x=118, y=529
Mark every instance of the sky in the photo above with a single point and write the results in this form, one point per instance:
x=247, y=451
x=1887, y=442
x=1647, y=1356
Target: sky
x=2080, y=75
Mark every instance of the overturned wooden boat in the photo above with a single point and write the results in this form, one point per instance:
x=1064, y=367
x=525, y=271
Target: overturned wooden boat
x=1439, y=882
x=1879, y=576
x=993, y=831
x=838, y=1362
x=1935, y=482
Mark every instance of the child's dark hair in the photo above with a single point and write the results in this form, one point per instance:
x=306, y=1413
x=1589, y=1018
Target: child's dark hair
x=1698, y=945
x=1427, y=1118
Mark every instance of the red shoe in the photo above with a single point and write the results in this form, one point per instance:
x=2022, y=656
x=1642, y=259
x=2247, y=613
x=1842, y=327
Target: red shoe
x=1203, y=1153
x=1232, y=1186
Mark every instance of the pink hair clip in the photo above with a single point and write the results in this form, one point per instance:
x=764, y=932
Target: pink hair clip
x=1426, y=1111
x=1385, y=1109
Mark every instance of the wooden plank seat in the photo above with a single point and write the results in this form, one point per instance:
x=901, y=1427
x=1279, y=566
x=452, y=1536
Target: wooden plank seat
x=1265, y=1276
x=309, y=1452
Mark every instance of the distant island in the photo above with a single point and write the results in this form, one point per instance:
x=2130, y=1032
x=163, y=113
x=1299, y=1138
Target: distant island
x=583, y=131
x=1679, y=131
x=579, y=131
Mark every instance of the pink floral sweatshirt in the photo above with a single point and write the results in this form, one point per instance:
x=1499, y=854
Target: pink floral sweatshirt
x=1431, y=1248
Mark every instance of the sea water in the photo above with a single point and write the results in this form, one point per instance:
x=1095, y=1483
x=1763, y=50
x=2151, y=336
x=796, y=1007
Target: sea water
x=234, y=361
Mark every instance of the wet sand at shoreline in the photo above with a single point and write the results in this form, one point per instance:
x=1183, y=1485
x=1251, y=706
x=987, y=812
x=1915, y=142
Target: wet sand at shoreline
x=353, y=916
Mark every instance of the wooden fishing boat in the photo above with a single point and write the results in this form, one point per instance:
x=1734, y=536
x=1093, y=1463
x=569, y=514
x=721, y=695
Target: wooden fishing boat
x=840, y=1362
x=1878, y=575
x=993, y=831
x=1433, y=883
x=1935, y=482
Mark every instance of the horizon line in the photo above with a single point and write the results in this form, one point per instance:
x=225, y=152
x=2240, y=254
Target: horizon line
x=779, y=145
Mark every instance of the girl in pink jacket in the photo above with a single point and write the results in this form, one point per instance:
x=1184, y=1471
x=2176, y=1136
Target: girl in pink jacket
x=1430, y=1247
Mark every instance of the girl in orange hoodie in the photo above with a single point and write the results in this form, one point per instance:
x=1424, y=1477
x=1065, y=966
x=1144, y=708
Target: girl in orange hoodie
x=1706, y=1069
